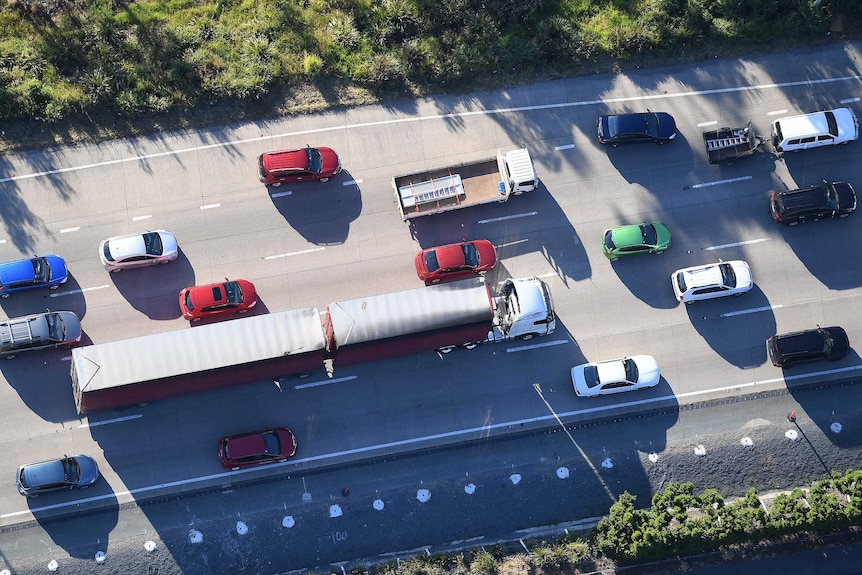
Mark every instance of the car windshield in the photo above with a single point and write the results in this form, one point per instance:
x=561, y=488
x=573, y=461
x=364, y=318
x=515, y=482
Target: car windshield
x=187, y=298
x=431, y=261
x=609, y=240
x=728, y=278
x=680, y=282
x=233, y=292
x=271, y=443
x=56, y=327
x=831, y=197
x=71, y=471
x=471, y=255
x=631, y=370
x=648, y=233
x=153, y=243
x=591, y=376
x=315, y=160
x=651, y=121
x=833, y=125
x=41, y=270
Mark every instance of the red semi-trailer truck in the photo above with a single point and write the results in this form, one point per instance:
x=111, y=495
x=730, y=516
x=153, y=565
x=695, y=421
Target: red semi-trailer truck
x=441, y=317
x=144, y=369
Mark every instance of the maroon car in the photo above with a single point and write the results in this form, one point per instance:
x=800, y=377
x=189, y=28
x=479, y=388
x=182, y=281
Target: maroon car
x=307, y=164
x=455, y=261
x=255, y=448
x=213, y=300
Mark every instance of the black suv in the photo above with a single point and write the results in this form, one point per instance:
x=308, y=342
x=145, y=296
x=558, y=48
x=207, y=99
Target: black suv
x=809, y=345
x=835, y=200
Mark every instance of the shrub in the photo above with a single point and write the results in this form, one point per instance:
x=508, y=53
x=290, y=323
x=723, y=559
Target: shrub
x=312, y=64
x=483, y=564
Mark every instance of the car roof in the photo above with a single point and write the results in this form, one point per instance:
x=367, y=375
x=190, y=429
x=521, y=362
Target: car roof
x=611, y=371
x=627, y=235
x=702, y=276
x=450, y=256
x=246, y=445
x=209, y=294
x=815, y=123
x=19, y=270
x=44, y=473
x=125, y=246
x=287, y=160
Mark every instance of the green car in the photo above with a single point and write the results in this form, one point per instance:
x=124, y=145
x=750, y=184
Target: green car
x=634, y=239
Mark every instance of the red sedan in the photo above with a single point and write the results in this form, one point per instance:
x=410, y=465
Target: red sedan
x=256, y=448
x=213, y=300
x=455, y=261
x=307, y=164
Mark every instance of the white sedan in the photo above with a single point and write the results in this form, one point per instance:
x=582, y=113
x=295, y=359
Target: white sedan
x=138, y=250
x=615, y=375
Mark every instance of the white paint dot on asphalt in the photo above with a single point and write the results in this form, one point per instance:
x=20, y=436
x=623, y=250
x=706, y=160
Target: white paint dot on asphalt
x=53, y=565
x=653, y=456
x=515, y=478
x=335, y=511
x=150, y=546
x=563, y=472
x=423, y=495
x=746, y=442
x=836, y=427
x=288, y=521
x=195, y=536
x=100, y=557
x=700, y=450
x=306, y=497
x=378, y=504
x=241, y=527
x=5, y=572
x=791, y=434
x=470, y=488
x=608, y=463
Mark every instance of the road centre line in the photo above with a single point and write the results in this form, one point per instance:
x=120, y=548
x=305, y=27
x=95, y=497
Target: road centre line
x=446, y=116
x=776, y=112
x=67, y=230
x=75, y=291
x=848, y=100
x=108, y=421
x=280, y=194
x=536, y=345
x=299, y=253
x=325, y=382
x=512, y=217
x=718, y=182
x=516, y=242
x=139, y=218
x=566, y=147
x=351, y=182
x=475, y=432
x=705, y=124
x=737, y=244
x=752, y=310
x=210, y=206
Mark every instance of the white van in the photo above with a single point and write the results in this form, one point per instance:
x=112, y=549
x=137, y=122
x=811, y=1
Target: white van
x=825, y=128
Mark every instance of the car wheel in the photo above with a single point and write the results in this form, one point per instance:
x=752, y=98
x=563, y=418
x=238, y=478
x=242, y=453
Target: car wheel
x=435, y=282
x=282, y=460
x=234, y=468
x=447, y=349
x=527, y=336
x=10, y=356
x=843, y=215
x=615, y=258
x=471, y=345
x=324, y=180
x=54, y=287
x=689, y=302
x=166, y=262
x=275, y=184
x=793, y=223
x=660, y=142
x=5, y=295
x=116, y=270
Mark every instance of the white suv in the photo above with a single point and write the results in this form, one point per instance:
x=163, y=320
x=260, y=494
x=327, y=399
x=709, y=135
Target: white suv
x=711, y=280
x=825, y=128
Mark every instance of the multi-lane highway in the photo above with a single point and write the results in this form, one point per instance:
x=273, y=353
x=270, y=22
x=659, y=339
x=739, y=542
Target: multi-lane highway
x=312, y=244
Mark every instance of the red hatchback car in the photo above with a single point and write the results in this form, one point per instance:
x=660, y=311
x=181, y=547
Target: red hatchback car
x=455, y=261
x=256, y=448
x=302, y=165
x=213, y=300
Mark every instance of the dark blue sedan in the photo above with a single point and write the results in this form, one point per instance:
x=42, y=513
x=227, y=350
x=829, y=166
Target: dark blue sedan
x=37, y=272
x=658, y=127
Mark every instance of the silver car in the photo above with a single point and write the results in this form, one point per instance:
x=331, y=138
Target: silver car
x=138, y=250
x=38, y=331
x=34, y=479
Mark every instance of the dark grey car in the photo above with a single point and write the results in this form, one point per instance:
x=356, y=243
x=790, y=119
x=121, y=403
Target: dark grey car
x=38, y=331
x=34, y=479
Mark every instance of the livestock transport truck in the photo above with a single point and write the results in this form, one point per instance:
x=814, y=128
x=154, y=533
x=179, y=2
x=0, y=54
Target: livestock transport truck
x=467, y=184
x=442, y=317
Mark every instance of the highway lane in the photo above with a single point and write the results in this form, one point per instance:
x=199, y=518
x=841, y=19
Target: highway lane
x=203, y=188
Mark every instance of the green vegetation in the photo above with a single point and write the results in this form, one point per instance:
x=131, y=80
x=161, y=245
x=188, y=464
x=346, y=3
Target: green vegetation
x=678, y=524
x=59, y=59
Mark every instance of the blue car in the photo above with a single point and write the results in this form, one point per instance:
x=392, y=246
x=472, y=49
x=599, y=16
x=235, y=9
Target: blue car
x=658, y=127
x=37, y=272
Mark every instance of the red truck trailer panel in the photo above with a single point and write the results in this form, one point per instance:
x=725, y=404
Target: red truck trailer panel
x=407, y=322
x=159, y=366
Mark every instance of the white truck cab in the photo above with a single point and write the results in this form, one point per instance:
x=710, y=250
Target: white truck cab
x=524, y=310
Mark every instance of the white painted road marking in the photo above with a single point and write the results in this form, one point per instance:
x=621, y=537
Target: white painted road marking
x=139, y=218
x=74, y=291
x=536, y=345
x=718, y=182
x=446, y=116
x=325, y=382
x=468, y=433
x=351, y=182
x=109, y=421
x=280, y=194
x=566, y=147
x=67, y=230
x=752, y=310
x=848, y=101
x=507, y=244
x=776, y=112
x=704, y=124
x=512, y=217
x=737, y=244
x=299, y=253
x=210, y=206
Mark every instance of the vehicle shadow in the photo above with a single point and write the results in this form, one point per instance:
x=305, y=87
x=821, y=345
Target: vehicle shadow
x=736, y=327
x=154, y=290
x=827, y=248
x=647, y=277
x=84, y=533
x=41, y=379
x=320, y=212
